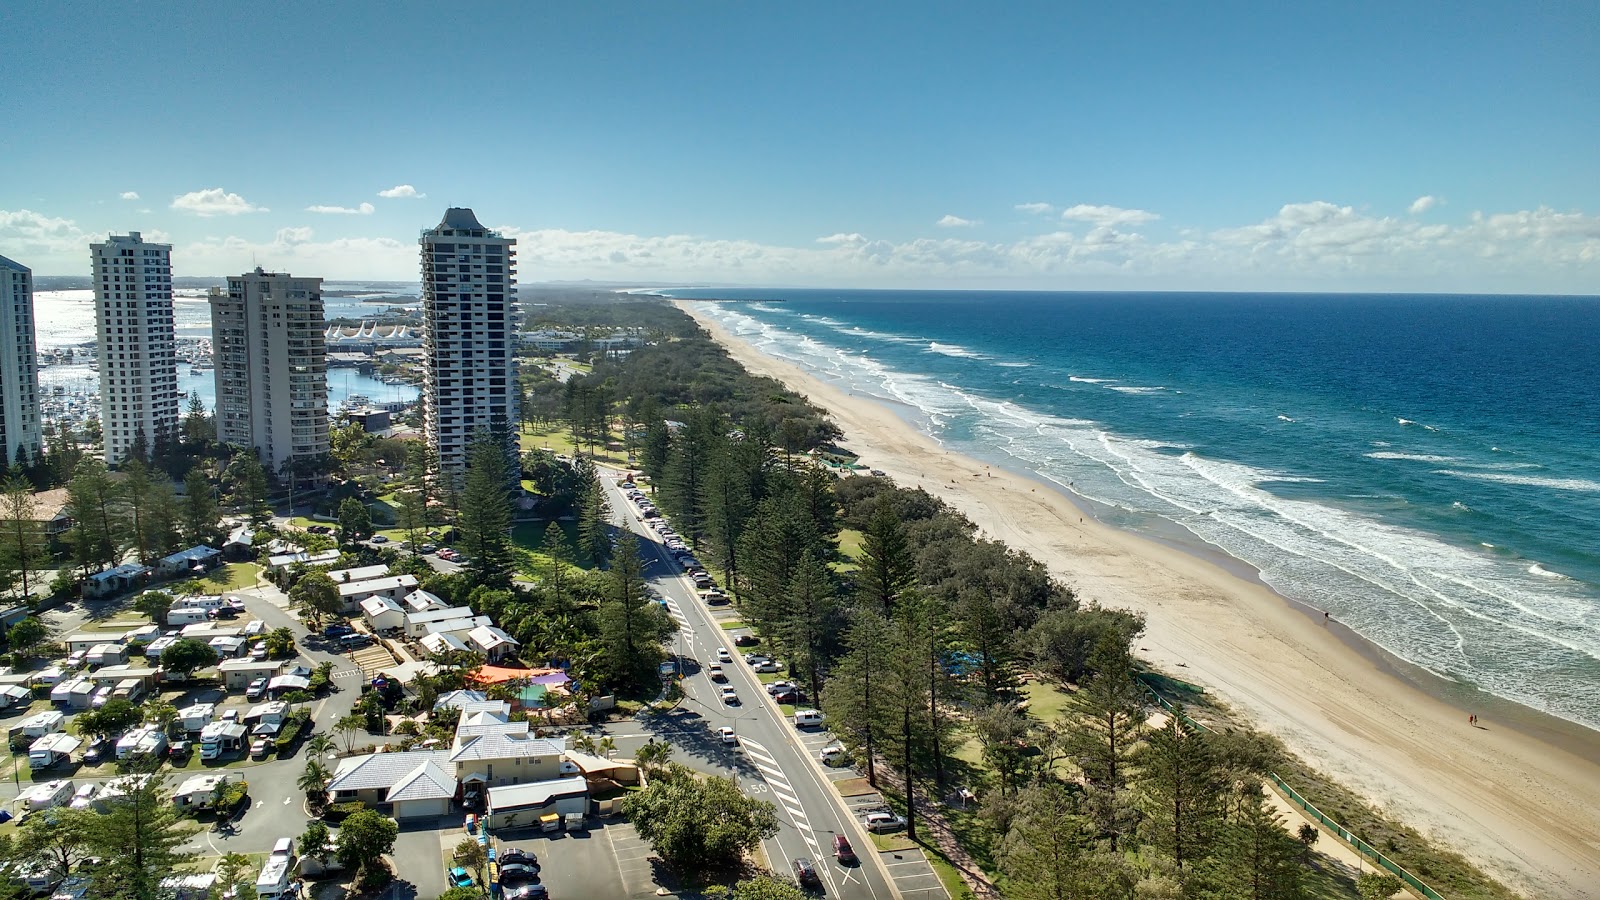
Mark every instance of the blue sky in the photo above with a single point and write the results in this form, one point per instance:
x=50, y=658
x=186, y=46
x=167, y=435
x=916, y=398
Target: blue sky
x=1359, y=146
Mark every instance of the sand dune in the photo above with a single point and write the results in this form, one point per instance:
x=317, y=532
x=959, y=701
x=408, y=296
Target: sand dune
x=1523, y=808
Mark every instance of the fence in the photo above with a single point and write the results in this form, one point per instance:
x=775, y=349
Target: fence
x=1294, y=796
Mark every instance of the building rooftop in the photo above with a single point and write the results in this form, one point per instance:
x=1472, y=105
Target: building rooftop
x=382, y=770
x=13, y=265
x=460, y=218
x=426, y=782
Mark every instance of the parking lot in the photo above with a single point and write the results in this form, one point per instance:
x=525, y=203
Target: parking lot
x=608, y=860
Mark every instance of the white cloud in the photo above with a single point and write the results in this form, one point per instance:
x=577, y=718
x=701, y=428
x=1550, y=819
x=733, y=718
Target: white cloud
x=950, y=221
x=130, y=195
x=401, y=190
x=1423, y=204
x=364, y=209
x=1035, y=208
x=841, y=238
x=215, y=202
x=1107, y=215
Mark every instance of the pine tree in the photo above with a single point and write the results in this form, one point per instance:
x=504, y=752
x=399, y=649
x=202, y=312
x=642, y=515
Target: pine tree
x=139, y=837
x=1047, y=854
x=1179, y=790
x=559, y=550
x=21, y=543
x=727, y=502
x=198, y=513
x=412, y=516
x=812, y=621
x=1108, y=721
x=486, y=512
x=631, y=629
x=92, y=505
x=853, y=698
x=134, y=494
x=907, y=737
x=1257, y=858
x=886, y=561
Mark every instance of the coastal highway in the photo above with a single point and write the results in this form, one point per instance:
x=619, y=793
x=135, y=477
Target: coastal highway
x=769, y=761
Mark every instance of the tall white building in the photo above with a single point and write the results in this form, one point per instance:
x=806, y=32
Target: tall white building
x=138, y=362
x=469, y=335
x=19, y=365
x=271, y=366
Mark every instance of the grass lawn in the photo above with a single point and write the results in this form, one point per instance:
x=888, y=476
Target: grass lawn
x=892, y=841
x=853, y=787
x=227, y=577
x=731, y=624
x=1046, y=702
x=559, y=441
x=850, y=548
x=948, y=876
x=529, y=536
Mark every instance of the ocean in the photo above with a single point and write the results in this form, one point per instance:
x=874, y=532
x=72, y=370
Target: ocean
x=1424, y=467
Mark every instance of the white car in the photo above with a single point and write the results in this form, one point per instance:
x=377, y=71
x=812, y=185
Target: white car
x=728, y=737
x=380, y=539
x=723, y=655
x=883, y=821
x=84, y=796
x=730, y=696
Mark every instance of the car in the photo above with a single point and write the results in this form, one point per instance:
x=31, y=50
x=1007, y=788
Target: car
x=256, y=690
x=460, y=877
x=99, y=751
x=716, y=673
x=752, y=658
x=746, y=640
x=180, y=750
x=730, y=696
x=380, y=539
x=259, y=651
x=101, y=695
x=833, y=755
x=723, y=655
x=427, y=548
x=768, y=667
x=230, y=715
x=526, y=890
x=404, y=545
x=522, y=860
x=779, y=687
x=790, y=697
x=84, y=796
x=259, y=748
x=727, y=735
x=843, y=852
x=355, y=641
x=881, y=821
x=338, y=631
x=806, y=873
x=235, y=603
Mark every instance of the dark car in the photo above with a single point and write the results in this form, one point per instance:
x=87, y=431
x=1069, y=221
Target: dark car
x=790, y=697
x=518, y=864
x=806, y=873
x=99, y=751
x=337, y=631
x=180, y=750
x=842, y=850
x=746, y=640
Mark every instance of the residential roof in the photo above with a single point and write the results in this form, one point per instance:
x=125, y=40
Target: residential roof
x=489, y=637
x=465, y=623
x=48, y=505
x=249, y=665
x=377, y=606
x=382, y=770
x=500, y=742
x=535, y=793
x=359, y=573
x=439, y=642
x=320, y=558
x=426, y=782
x=420, y=600
x=193, y=554
x=440, y=615
x=459, y=699
x=373, y=585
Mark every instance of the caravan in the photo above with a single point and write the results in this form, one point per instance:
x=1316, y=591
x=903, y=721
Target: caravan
x=186, y=615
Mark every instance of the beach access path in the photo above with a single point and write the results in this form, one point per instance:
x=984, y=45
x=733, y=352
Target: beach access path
x=1524, y=809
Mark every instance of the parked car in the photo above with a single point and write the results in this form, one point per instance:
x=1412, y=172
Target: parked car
x=769, y=666
x=259, y=651
x=84, y=796
x=779, y=687
x=882, y=821
x=517, y=862
x=256, y=690
x=355, y=641
x=460, y=877
x=380, y=539
x=337, y=631
x=99, y=751
x=180, y=750
x=806, y=873
x=791, y=697
x=746, y=640
x=843, y=852
x=259, y=748
x=833, y=755
x=730, y=697
x=727, y=735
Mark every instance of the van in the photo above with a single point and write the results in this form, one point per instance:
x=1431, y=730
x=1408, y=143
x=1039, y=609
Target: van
x=807, y=718
x=186, y=616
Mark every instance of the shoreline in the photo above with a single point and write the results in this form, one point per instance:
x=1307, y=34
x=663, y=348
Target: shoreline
x=1520, y=797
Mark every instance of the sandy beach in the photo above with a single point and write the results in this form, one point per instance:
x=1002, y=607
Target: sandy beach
x=1521, y=801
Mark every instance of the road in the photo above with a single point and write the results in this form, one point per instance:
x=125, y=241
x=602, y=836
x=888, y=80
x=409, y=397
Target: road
x=770, y=761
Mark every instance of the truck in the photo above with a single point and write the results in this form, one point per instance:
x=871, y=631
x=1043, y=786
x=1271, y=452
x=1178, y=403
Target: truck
x=276, y=872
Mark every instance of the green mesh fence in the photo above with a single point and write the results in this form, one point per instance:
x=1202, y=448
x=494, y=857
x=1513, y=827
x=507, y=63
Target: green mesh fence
x=1294, y=796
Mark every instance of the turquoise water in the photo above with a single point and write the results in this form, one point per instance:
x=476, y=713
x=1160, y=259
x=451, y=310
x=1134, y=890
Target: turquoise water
x=1426, y=468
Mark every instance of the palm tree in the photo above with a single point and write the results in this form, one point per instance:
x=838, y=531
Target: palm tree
x=160, y=713
x=314, y=781
x=653, y=755
x=348, y=726
x=319, y=745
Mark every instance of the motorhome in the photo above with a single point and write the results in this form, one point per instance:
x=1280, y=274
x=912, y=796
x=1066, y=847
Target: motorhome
x=276, y=872
x=186, y=615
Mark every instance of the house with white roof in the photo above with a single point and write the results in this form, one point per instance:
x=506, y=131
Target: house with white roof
x=417, y=622
x=493, y=643
x=490, y=750
x=383, y=613
x=442, y=644
x=420, y=600
x=359, y=573
x=310, y=560
x=395, y=587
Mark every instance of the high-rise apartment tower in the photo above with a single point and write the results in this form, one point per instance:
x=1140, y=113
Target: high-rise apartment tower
x=19, y=365
x=469, y=334
x=271, y=358
x=138, y=363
